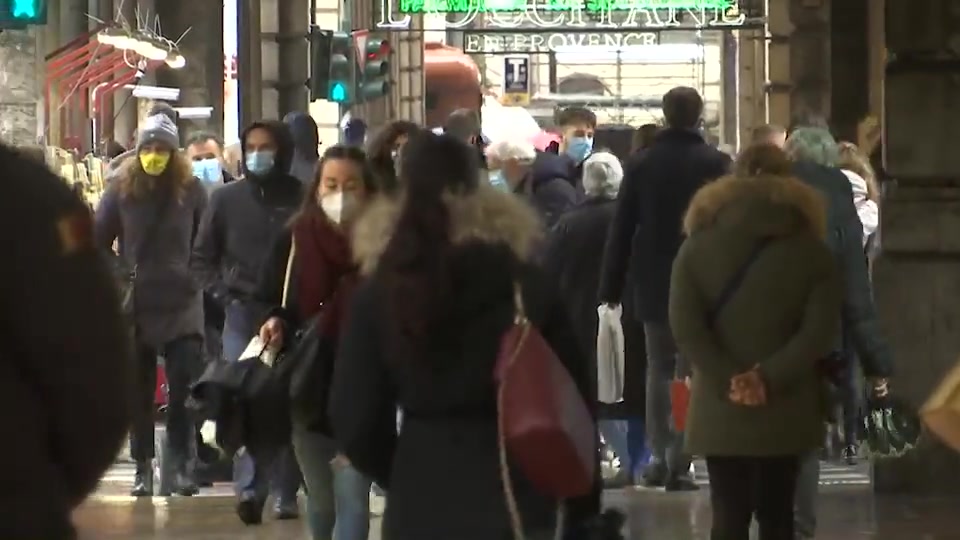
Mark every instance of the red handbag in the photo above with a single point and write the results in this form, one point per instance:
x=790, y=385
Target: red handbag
x=543, y=421
x=679, y=402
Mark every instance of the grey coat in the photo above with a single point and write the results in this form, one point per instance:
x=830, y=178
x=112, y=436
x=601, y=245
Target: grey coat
x=168, y=301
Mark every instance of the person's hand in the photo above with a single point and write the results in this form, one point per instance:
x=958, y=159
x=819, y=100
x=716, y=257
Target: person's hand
x=748, y=389
x=880, y=387
x=340, y=460
x=271, y=333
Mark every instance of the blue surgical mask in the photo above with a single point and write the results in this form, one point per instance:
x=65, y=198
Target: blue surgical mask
x=208, y=170
x=260, y=162
x=498, y=181
x=578, y=148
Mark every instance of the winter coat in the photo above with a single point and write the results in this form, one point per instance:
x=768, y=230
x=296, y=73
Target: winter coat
x=168, y=301
x=867, y=210
x=448, y=397
x=845, y=239
x=573, y=256
x=241, y=224
x=306, y=140
x=783, y=317
x=656, y=190
x=548, y=188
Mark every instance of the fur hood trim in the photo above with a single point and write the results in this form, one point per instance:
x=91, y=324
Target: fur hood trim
x=486, y=215
x=780, y=194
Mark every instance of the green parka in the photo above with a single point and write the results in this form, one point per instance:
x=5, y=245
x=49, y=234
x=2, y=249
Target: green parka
x=784, y=317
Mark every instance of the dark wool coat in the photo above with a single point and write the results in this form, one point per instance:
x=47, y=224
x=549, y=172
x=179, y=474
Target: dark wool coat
x=784, y=316
x=448, y=396
x=169, y=302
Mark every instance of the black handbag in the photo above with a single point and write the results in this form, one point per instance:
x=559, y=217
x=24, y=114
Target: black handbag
x=126, y=274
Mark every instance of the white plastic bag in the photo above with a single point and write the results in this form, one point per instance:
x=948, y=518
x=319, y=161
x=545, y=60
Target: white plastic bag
x=610, y=371
x=256, y=349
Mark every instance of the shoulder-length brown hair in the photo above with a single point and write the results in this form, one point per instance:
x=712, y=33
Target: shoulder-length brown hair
x=853, y=160
x=134, y=182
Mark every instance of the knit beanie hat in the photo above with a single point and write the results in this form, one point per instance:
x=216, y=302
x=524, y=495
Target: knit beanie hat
x=159, y=128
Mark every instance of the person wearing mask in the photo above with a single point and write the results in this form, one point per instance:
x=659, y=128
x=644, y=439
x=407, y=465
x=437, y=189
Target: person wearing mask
x=422, y=332
x=815, y=158
x=754, y=303
x=512, y=167
x=769, y=134
x=238, y=229
x=152, y=210
x=67, y=369
x=573, y=256
x=306, y=146
x=323, y=277
x=577, y=128
x=205, y=152
x=383, y=152
x=644, y=238
x=158, y=107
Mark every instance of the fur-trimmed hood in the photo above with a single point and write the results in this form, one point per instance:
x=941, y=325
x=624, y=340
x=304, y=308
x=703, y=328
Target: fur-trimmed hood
x=765, y=205
x=486, y=215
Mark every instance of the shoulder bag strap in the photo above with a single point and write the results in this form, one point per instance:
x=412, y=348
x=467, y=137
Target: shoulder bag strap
x=733, y=284
x=284, y=300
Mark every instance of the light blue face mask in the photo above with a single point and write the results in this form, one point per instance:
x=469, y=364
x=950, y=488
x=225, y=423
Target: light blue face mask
x=208, y=170
x=260, y=162
x=578, y=148
x=498, y=181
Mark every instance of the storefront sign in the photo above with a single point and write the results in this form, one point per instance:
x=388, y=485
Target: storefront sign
x=632, y=14
x=492, y=43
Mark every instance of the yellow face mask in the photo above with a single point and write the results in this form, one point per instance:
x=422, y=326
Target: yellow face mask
x=154, y=163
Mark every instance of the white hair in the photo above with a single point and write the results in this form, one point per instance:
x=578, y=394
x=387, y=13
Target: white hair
x=602, y=175
x=512, y=149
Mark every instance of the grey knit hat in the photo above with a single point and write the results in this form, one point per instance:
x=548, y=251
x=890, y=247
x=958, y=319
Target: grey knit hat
x=159, y=128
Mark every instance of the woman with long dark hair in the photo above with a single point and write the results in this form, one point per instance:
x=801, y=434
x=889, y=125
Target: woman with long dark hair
x=322, y=278
x=423, y=334
x=383, y=152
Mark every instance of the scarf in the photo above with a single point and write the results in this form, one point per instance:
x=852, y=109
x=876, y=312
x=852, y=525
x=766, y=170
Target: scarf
x=326, y=274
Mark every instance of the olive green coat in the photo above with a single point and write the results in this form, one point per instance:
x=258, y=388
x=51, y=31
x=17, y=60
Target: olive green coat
x=783, y=317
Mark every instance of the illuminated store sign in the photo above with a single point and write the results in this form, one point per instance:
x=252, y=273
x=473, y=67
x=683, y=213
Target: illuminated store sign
x=491, y=43
x=506, y=14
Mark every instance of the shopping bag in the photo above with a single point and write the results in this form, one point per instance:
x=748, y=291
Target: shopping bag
x=941, y=412
x=679, y=401
x=890, y=427
x=610, y=369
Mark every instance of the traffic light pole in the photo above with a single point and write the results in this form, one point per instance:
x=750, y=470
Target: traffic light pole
x=294, y=61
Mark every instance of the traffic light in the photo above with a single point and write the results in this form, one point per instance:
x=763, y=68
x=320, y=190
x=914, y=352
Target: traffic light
x=331, y=65
x=375, y=73
x=22, y=13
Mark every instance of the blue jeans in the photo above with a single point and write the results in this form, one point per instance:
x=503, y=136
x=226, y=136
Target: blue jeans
x=249, y=479
x=637, y=445
x=338, y=496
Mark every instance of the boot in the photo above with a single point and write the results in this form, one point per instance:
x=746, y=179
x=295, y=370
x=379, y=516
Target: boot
x=143, y=480
x=184, y=476
x=184, y=485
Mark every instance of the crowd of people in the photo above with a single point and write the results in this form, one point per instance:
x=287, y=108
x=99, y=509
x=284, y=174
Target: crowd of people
x=744, y=277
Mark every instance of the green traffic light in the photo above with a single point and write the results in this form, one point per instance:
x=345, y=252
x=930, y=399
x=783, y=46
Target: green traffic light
x=338, y=92
x=25, y=9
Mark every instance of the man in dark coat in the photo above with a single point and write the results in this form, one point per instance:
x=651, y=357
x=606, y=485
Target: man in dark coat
x=236, y=234
x=814, y=151
x=66, y=368
x=306, y=146
x=657, y=188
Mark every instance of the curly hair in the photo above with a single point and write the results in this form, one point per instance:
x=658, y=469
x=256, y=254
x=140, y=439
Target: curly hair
x=854, y=160
x=135, y=183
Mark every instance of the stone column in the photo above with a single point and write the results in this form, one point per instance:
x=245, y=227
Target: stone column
x=752, y=85
x=201, y=80
x=799, y=61
x=917, y=277
x=294, y=56
x=21, y=76
x=73, y=24
x=849, y=94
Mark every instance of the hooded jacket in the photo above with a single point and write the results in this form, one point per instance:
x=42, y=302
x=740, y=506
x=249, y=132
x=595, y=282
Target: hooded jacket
x=549, y=188
x=242, y=221
x=303, y=129
x=783, y=317
x=448, y=395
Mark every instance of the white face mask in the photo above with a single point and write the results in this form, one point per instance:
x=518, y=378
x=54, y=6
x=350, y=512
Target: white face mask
x=337, y=206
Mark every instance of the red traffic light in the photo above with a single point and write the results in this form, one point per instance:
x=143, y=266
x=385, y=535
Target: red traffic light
x=378, y=49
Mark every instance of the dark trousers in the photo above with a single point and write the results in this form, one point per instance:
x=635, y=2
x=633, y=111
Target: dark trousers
x=183, y=363
x=744, y=487
x=666, y=445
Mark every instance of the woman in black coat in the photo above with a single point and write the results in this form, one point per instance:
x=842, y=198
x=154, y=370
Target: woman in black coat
x=423, y=333
x=573, y=255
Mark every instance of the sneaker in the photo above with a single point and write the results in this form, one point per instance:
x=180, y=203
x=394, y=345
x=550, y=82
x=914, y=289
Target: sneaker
x=850, y=454
x=286, y=508
x=654, y=475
